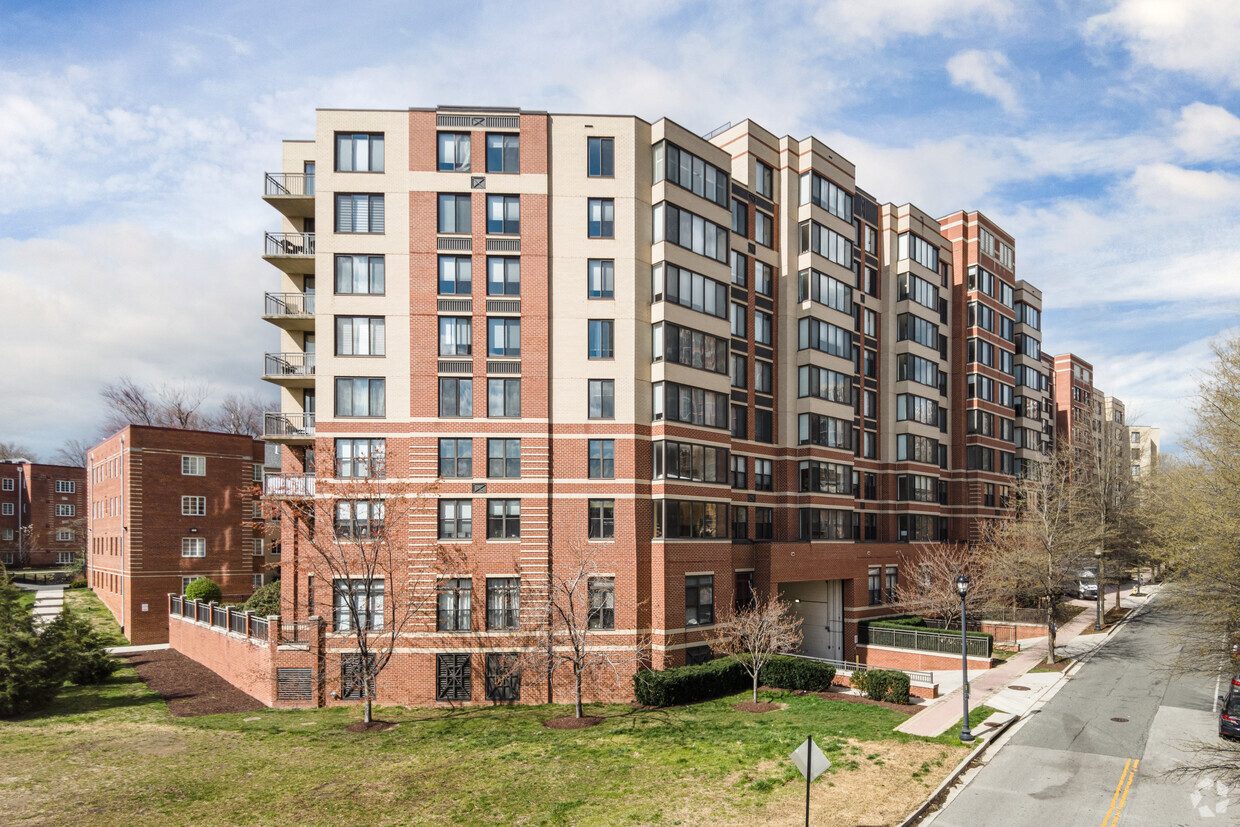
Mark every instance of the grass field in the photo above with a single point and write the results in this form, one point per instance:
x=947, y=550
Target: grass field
x=27, y=599
x=85, y=603
x=113, y=755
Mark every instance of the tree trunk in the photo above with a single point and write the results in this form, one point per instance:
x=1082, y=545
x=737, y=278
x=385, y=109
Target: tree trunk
x=366, y=709
x=577, y=673
x=755, y=686
x=1050, y=631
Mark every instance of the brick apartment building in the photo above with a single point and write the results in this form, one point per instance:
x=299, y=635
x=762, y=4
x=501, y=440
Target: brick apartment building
x=1075, y=418
x=42, y=514
x=716, y=362
x=168, y=506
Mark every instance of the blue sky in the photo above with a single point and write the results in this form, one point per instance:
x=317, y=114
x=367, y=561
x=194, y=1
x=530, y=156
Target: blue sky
x=134, y=136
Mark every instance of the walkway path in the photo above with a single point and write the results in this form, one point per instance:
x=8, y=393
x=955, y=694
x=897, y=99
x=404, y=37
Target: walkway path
x=992, y=687
x=48, y=601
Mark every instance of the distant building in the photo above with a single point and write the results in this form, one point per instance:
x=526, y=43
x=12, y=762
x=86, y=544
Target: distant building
x=42, y=510
x=1075, y=417
x=168, y=506
x=1142, y=450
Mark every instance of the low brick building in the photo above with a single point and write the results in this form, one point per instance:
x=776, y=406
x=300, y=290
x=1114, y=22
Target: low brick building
x=42, y=513
x=168, y=506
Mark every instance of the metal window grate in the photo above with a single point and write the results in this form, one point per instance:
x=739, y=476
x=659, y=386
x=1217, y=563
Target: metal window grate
x=453, y=366
x=503, y=245
x=452, y=678
x=503, y=306
x=450, y=244
x=294, y=684
x=456, y=306
x=510, y=368
x=480, y=121
x=351, y=676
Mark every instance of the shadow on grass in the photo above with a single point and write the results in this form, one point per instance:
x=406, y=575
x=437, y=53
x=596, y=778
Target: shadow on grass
x=118, y=692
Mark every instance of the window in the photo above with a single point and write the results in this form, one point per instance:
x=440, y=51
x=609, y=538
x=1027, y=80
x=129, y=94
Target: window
x=763, y=425
x=602, y=459
x=456, y=519
x=738, y=319
x=816, y=429
x=825, y=524
x=602, y=519
x=601, y=278
x=825, y=242
x=503, y=214
x=762, y=376
x=700, y=600
x=454, y=213
x=762, y=277
x=914, y=328
x=875, y=583
x=190, y=507
x=916, y=488
x=357, y=604
x=825, y=477
x=694, y=406
x=256, y=473
x=10, y=484
x=602, y=603
x=764, y=179
x=691, y=348
x=740, y=472
x=66, y=536
x=761, y=327
x=70, y=510
x=762, y=475
x=503, y=276
x=193, y=466
x=503, y=337
x=919, y=250
x=361, y=275
x=601, y=218
x=359, y=213
x=836, y=200
x=740, y=217
x=503, y=457
x=360, y=458
x=824, y=384
x=456, y=458
x=360, y=396
x=602, y=336
x=739, y=423
x=869, y=404
x=763, y=228
x=7, y=509
x=456, y=397
x=917, y=289
x=686, y=461
x=740, y=268
x=684, y=229
x=686, y=170
x=185, y=581
x=684, y=519
x=359, y=519
x=66, y=487
x=455, y=335
x=452, y=674
x=455, y=275
x=689, y=289
x=359, y=336
x=602, y=399
x=256, y=547
x=454, y=152
x=503, y=153
x=764, y=523
x=740, y=522
x=359, y=152
x=503, y=519
x=601, y=155
x=454, y=600
x=193, y=547
x=818, y=335
x=916, y=369
x=503, y=678
x=503, y=397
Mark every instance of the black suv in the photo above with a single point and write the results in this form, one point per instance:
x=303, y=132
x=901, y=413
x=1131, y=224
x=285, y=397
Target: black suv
x=1229, y=715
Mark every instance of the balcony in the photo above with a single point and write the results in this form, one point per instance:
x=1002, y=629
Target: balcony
x=291, y=252
x=290, y=311
x=288, y=485
x=288, y=428
x=292, y=193
x=290, y=370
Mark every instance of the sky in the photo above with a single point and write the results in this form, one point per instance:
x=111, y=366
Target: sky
x=134, y=138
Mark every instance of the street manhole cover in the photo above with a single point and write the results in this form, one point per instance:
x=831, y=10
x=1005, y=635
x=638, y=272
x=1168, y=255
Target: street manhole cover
x=1120, y=720
x=1019, y=688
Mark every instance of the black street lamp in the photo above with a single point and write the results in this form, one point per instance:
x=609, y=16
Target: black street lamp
x=962, y=586
x=1098, y=613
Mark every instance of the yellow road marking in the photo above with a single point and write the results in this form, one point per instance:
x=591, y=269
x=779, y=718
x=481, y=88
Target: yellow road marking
x=1121, y=793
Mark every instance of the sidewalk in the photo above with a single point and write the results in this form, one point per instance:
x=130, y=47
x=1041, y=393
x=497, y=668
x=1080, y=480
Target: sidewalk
x=996, y=687
x=48, y=601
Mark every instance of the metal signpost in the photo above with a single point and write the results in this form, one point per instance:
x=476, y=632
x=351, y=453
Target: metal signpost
x=811, y=763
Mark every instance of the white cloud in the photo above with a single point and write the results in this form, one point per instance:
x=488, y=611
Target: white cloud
x=1198, y=37
x=878, y=21
x=982, y=72
x=1206, y=132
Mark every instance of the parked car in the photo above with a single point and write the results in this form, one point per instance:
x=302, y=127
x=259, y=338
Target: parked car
x=1084, y=585
x=1229, y=714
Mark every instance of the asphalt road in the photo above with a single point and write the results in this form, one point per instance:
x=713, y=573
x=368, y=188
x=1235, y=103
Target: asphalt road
x=1071, y=763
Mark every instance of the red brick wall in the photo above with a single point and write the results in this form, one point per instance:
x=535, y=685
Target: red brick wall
x=245, y=663
x=883, y=657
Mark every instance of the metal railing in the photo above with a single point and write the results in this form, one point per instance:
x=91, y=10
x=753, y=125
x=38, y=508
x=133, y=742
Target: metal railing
x=850, y=667
x=225, y=619
x=294, y=633
x=289, y=244
x=202, y=612
x=288, y=304
x=280, y=424
x=296, y=363
x=258, y=628
x=174, y=605
x=1009, y=614
x=919, y=641
x=236, y=623
x=219, y=617
x=1002, y=632
x=289, y=485
x=288, y=183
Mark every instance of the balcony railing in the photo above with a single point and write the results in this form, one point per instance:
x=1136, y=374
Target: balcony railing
x=288, y=304
x=278, y=424
x=288, y=183
x=289, y=244
x=288, y=485
x=293, y=364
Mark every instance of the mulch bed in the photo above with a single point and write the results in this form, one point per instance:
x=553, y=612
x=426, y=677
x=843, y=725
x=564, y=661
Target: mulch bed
x=758, y=706
x=373, y=726
x=1059, y=665
x=572, y=722
x=189, y=688
x=907, y=709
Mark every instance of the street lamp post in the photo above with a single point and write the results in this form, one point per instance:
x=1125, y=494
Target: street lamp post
x=962, y=586
x=1098, y=600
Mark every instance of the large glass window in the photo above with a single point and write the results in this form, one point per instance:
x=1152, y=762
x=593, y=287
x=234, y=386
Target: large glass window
x=359, y=213
x=456, y=275
x=684, y=229
x=456, y=336
x=503, y=152
x=456, y=397
x=359, y=519
x=357, y=604
x=690, y=519
x=686, y=170
x=503, y=397
x=360, y=396
x=503, y=214
x=456, y=458
x=503, y=519
x=359, y=336
x=700, y=600
x=816, y=189
x=695, y=406
x=824, y=384
x=826, y=242
x=919, y=250
x=687, y=461
x=454, y=152
x=689, y=289
x=360, y=274
x=816, y=334
x=360, y=458
x=359, y=152
x=503, y=276
x=689, y=347
x=601, y=218
x=601, y=154
x=454, y=213
x=825, y=524
x=816, y=429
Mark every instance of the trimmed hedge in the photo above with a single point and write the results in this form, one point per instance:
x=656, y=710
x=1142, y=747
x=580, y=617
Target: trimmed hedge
x=204, y=589
x=882, y=685
x=724, y=676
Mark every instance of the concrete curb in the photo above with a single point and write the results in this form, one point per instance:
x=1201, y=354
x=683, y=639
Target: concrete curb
x=935, y=799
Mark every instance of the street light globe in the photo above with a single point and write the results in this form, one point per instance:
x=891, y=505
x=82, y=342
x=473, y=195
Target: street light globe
x=962, y=584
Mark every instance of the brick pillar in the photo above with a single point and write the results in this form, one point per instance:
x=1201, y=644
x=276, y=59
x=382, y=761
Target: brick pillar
x=249, y=623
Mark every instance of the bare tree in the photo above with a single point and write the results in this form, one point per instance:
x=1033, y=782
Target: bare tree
x=74, y=452
x=130, y=403
x=173, y=405
x=179, y=403
x=1031, y=554
x=570, y=616
x=754, y=633
x=932, y=590
x=1111, y=494
x=1215, y=762
x=11, y=450
x=239, y=414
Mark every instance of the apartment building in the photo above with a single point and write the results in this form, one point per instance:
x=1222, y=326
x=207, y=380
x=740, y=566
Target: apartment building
x=1076, y=419
x=168, y=506
x=714, y=362
x=1142, y=450
x=42, y=514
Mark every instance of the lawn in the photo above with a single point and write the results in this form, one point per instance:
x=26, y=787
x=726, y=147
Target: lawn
x=85, y=603
x=113, y=754
x=26, y=599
